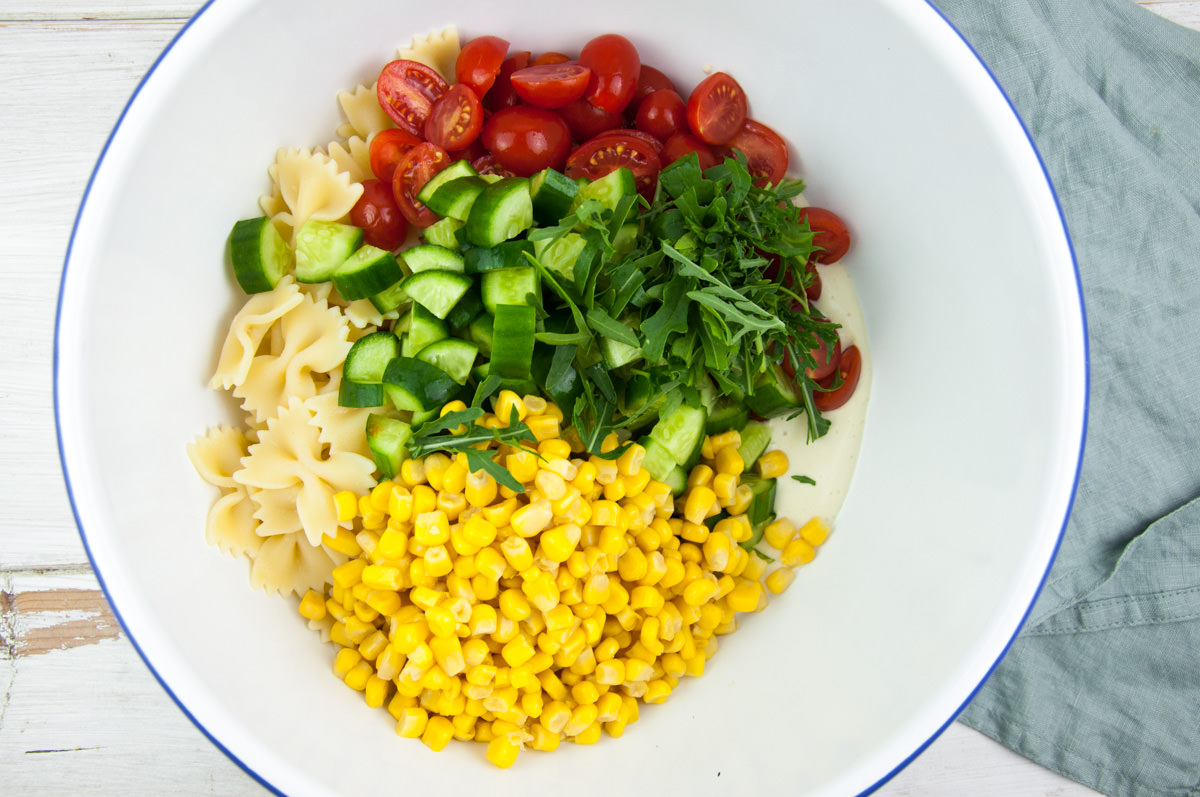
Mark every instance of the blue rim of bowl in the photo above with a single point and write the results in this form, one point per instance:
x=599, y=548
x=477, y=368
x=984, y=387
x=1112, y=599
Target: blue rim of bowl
x=259, y=778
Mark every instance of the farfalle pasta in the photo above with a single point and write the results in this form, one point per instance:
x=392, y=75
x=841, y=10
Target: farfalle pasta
x=307, y=185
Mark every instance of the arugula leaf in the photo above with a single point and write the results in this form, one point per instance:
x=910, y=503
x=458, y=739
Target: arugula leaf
x=804, y=479
x=611, y=328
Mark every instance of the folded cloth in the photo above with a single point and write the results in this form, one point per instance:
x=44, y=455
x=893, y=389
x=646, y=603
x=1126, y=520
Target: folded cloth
x=1103, y=683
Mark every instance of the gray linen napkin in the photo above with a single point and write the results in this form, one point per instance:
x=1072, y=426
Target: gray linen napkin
x=1103, y=684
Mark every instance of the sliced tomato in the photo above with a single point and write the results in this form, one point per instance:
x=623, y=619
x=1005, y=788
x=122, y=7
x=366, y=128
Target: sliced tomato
x=501, y=94
x=640, y=135
x=551, y=85
x=456, y=119
x=526, y=139
x=586, y=120
x=487, y=164
x=650, y=80
x=387, y=147
x=407, y=91
x=472, y=151
x=379, y=217
x=849, y=369
x=716, y=109
x=830, y=233
x=827, y=360
x=765, y=150
x=412, y=172
x=662, y=114
x=479, y=62
x=549, y=58
x=608, y=151
x=681, y=144
x=615, y=67
x=813, y=289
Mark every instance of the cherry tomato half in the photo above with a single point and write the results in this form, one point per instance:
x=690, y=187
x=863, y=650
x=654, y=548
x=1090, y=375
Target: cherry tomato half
x=827, y=361
x=456, y=119
x=662, y=114
x=549, y=58
x=526, y=139
x=850, y=368
x=716, y=109
x=487, y=164
x=407, y=91
x=681, y=144
x=479, y=62
x=608, y=152
x=650, y=80
x=765, y=150
x=501, y=94
x=551, y=85
x=587, y=121
x=615, y=66
x=376, y=212
x=412, y=172
x=830, y=233
x=640, y=135
x=387, y=147
x=469, y=153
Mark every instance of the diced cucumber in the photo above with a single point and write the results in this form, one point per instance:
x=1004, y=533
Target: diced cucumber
x=638, y=391
x=504, y=210
x=773, y=394
x=658, y=461
x=358, y=395
x=388, y=440
x=762, y=504
x=626, y=239
x=677, y=480
x=453, y=355
x=509, y=254
x=681, y=433
x=460, y=168
x=431, y=257
x=437, y=291
x=617, y=353
x=322, y=246
x=755, y=439
x=368, y=271
x=726, y=415
x=512, y=348
x=420, y=328
x=412, y=384
x=390, y=299
x=510, y=286
x=553, y=194
x=444, y=233
x=369, y=356
x=453, y=199
x=260, y=255
x=558, y=255
x=519, y=386
x=463, y=313
x=608, y=189
x=481, y=332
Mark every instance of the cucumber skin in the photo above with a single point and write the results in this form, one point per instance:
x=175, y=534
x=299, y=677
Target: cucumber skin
x=373, y=277
x=387, y=438
x=343, y=241
x=358, y=395
x=681, y=433
x=246, y=249
x=755, y=439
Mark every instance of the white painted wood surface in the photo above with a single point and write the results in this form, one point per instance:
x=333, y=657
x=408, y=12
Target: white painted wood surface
x=79, y=711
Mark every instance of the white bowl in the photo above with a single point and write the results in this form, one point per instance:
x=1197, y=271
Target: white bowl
x=966, y=476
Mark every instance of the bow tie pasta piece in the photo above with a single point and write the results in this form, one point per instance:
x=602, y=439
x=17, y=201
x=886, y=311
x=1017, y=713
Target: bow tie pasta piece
x=352, y=158
x=247, y=330
x=217, y=454
x=364, y=116
x=437, y=50
x=310, y=186
x=287, y=563
x=341, y=427
x=231, y=524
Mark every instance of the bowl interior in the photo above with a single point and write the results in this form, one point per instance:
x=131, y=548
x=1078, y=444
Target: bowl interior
x=965, y=477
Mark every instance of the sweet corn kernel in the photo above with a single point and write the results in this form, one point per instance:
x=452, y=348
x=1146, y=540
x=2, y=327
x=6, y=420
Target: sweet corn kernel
x=772, y=464
x=779, y=533
x=815, y=531
x=312, y=606
x=780, y=579
x=698, y=502
x=797, y=552
x=437, y=733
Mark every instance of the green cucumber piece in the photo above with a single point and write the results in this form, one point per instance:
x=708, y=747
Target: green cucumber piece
x=437, y=291
x=658, y=461
x=625, y=241
x=369, y=356
x=453, y=199
x=509, y=254
x=481, y=332
x=412, y=384
x=388, y=440
x=322, y=246
x=558, y=255
x=460, y=168
x=504, y=210
x=390, y=299
x=617, y=353
x=726, y=415
x=519, y=386
x=463, y=313
x=762, y=504
x=773, y=394
x=553, y=195
x=677, y=480
x=368, y=271
x=608, y=189
x=431, y=257
x=512, y=348
x=358, y=395
x=455, y=356
x=444, y=233
x=420, y=328
x=260, y=255
x=681, y=433
x=755, y=439
x=510, y=286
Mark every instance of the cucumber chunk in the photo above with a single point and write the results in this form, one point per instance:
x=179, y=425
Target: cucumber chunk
x=260, y=255
x=390, y=299
x=444, y=233
x=681, y=433
x=357, y=395
x=369, y=356
x=431, y=257
x=367, y=272
x=481, y=332
x=677, y=480
x=510, y=286
x=504, y=210
x=726, y=415
x=418, y=386
x=608, y=189
x=437, y=291
x=454, y=198
x=460, y=168
x=773, y=394
x=420, y=328
x=322, y=246
x=463, y=313
x=762, y=505
x=388, y=440
x=558, y=255
x=553, y=194
x=509, y=254
x=512, y=348
x=755, y=439
x=453, y=355
x=658, y=462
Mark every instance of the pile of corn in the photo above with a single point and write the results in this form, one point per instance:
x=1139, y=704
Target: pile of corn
x=522, y=619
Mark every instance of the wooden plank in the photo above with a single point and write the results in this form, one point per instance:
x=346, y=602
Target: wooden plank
x=1184, y=12
x=57, y=10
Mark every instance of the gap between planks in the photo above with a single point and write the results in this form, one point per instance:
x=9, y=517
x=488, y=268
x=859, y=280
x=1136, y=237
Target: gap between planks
x=48, y=609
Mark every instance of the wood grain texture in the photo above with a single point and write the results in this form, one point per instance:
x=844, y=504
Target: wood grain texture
x=79, y=710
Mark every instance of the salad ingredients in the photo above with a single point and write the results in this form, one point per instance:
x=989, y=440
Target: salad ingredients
x=716, y=109
x=615, y=67
x=455, y=119
x=526, y=139
x=407, y=91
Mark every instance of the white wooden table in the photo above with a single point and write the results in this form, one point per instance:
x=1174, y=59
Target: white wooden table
x=79, y=712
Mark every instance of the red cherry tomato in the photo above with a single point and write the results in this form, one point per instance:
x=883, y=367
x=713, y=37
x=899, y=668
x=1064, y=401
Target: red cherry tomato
x=850, y=367
x=469, y=153
x=608, y=151
x=681, y=144
x=387, y=147
x=407, y=91
x=479, y=62
x=716, y=109
x=551, y=85
x=830, y=234
x=649, y=81
x=629, y=132
x=487, y=164
x=502, y=95
x=662, y=114
x=827, y=361
x=456, y=119
x=412, y=172
x=587, y=121
x=765, y=150
x=813, y=291
x=526, y=139
x=615, y=69
x=376, y=212
x=550, y=58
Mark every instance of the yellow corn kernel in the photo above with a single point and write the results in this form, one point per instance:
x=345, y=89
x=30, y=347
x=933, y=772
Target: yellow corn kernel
x=376, y=691
x=411, y=722
x=698, y=502
x=357, y=678
x=437, y=733
x=729, y=439
x=506, y=402
x=646, y=599
x=630, y=462
x=728, y=460
x=349, y=574
x=658, y=690
x=532, y=518
x=523, y=465
x=700, y=591
x=635, y=483
x=392, y=545
x=490, y=563
x=632, y=565
x=346, y=504
x=742, y=500
x=514, y=605
x=400, y=505
x=343, y=542
x=379, y=576
x=437, y=561
x=312, y=606
x=502, y=752
x=550, y=484
x=815, y=531
x=706, y=449
x=432, y=528
x=779, y=533
x=543, y=739
x=448, y=653
x=780, y=579
x=717, y=551
x=772, y=464
x=701, y=476
x=725, y=488
x=797, y=552
x=517, y=651
x=345, y=661
x=412, y=472
x=480, y=489
x=544, y=427
x=745, y=596
x=557, y=544
x=517, y=553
